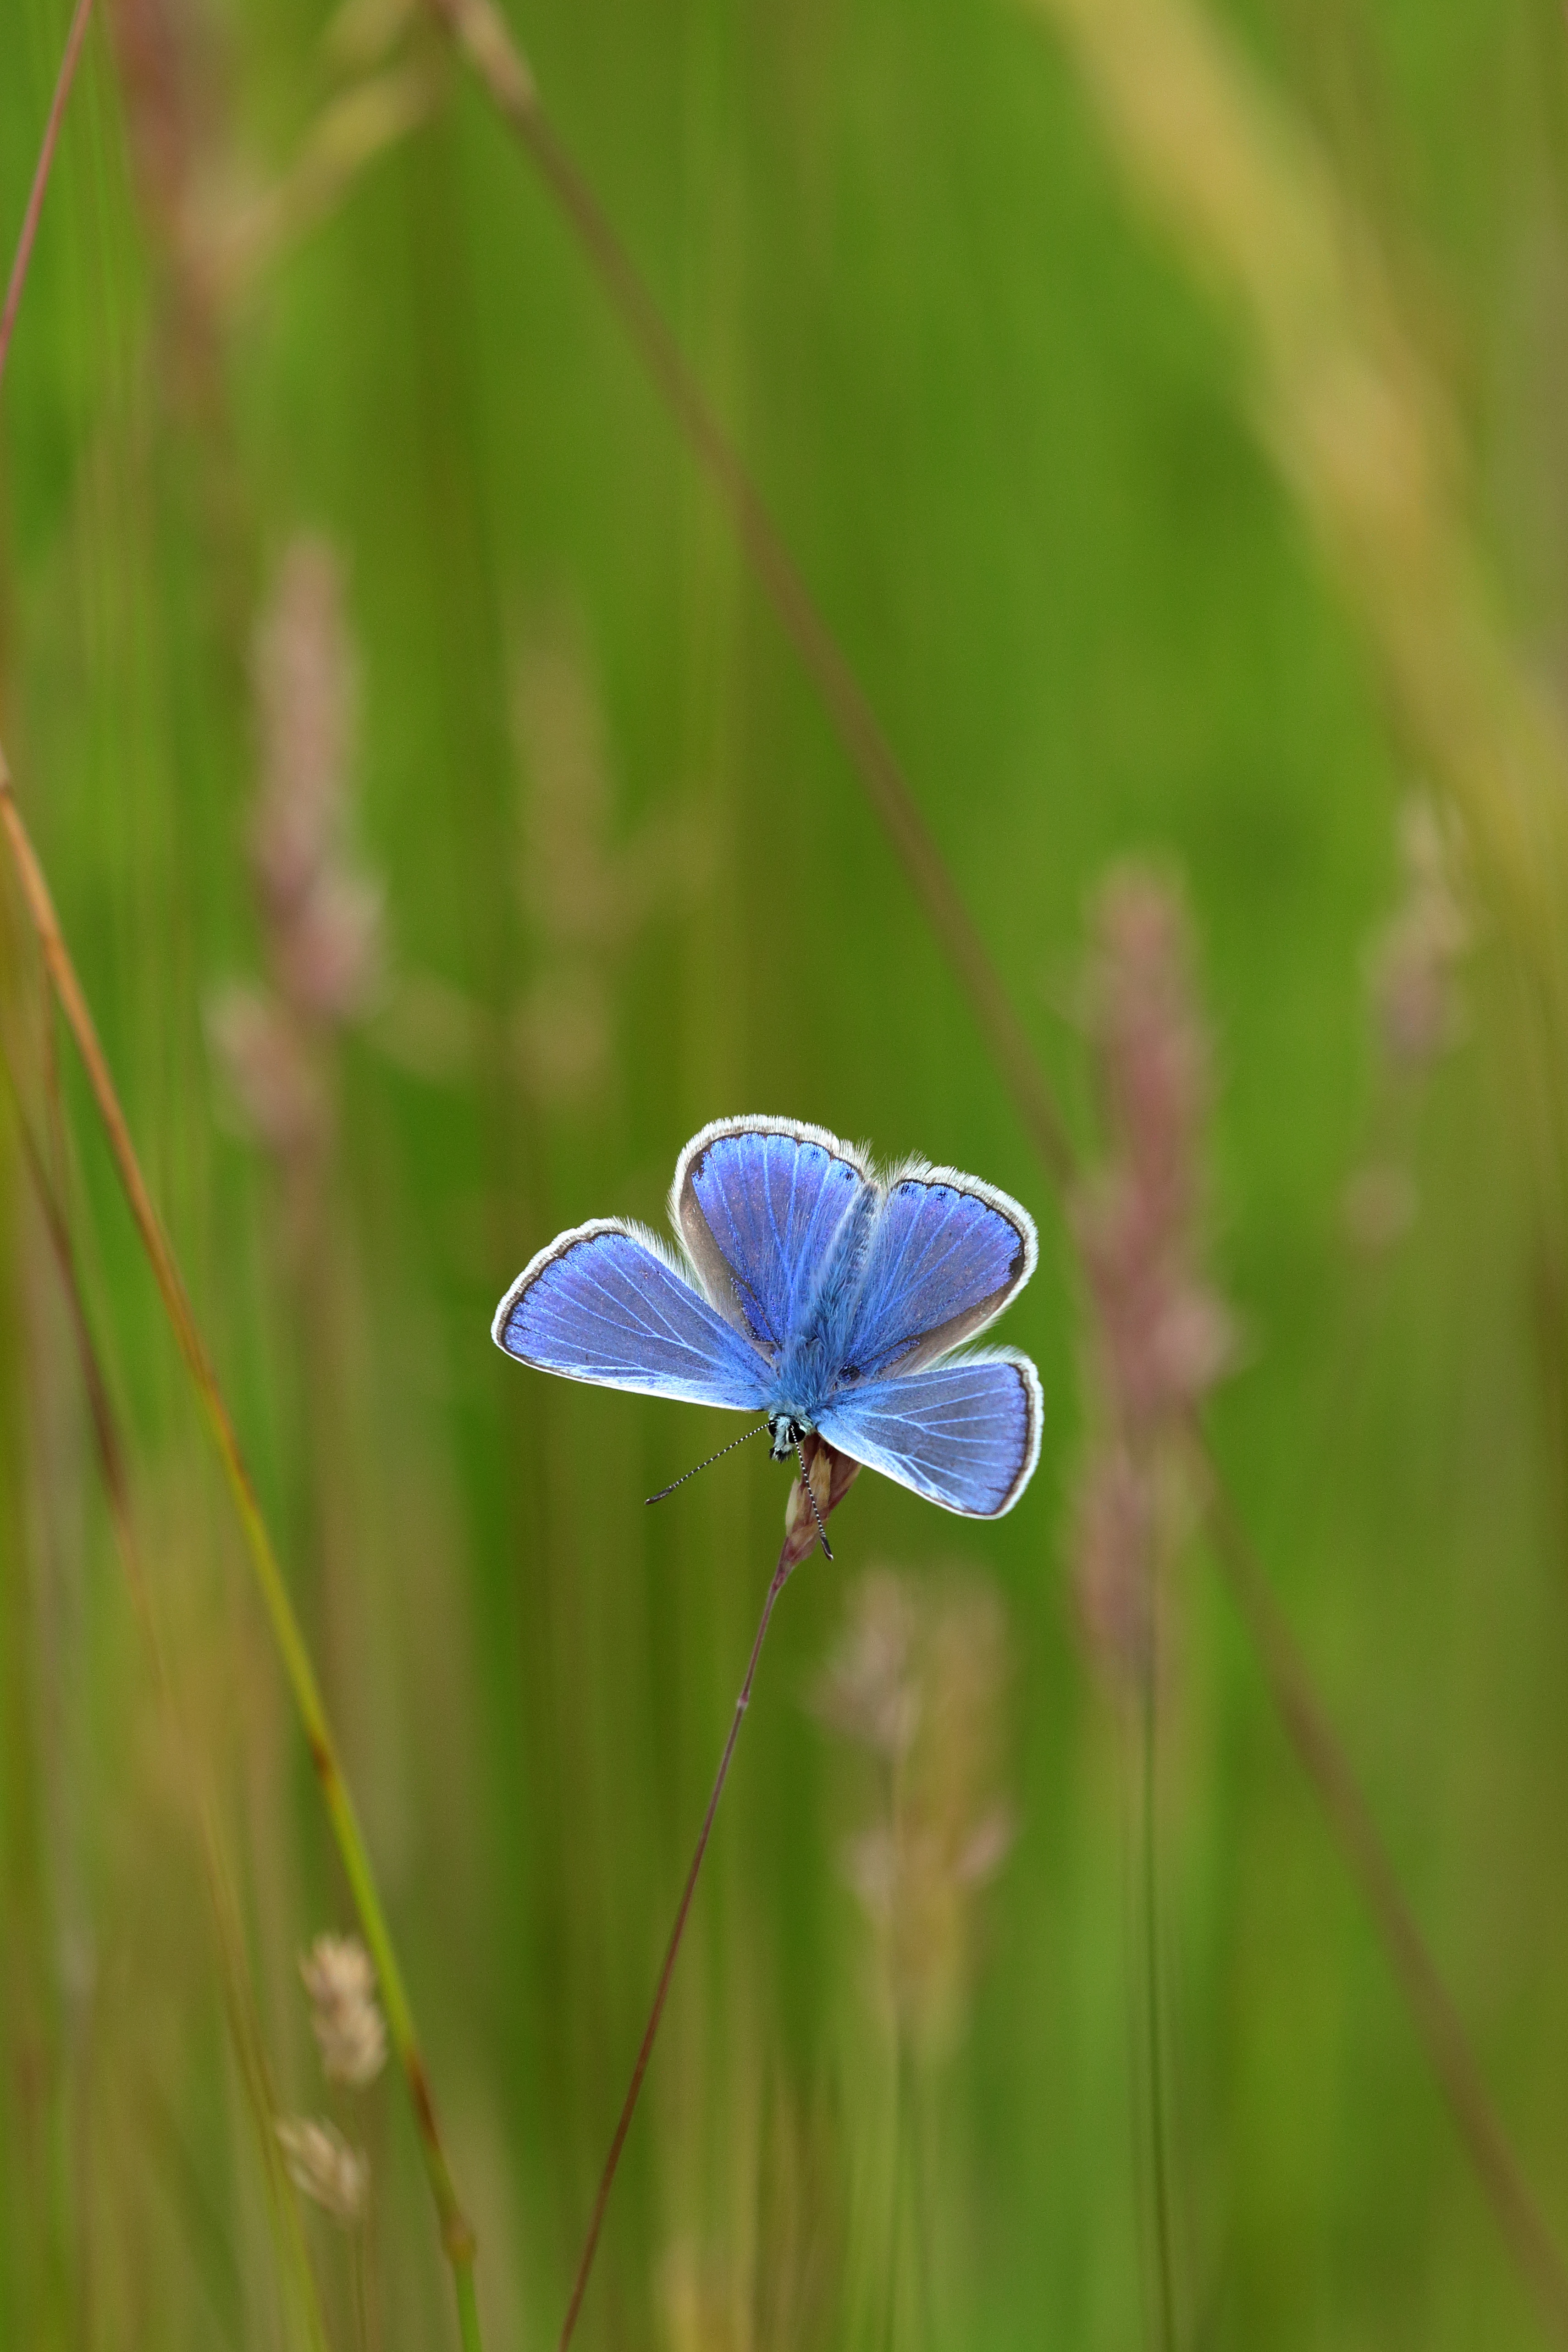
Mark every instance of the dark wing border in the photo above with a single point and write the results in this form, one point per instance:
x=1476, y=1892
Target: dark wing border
x=711, y=1267
x=968, y=1325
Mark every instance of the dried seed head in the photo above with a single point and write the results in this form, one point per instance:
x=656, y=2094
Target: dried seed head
x=587, y=887
x=1415, y=959
x=831, y=1475
x=1158, y=1336
x=321, y=916
x=269, y=1067
x=1162, y=1336
x=869, y=1691
x=325, y=2168
x=1379, y=1205
x=1111, y=1563
x=350, y=2030
x=918, y=1680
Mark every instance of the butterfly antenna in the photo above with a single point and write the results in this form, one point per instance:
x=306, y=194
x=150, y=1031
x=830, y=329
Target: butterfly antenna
x=709, y=1464
x=811, y=1498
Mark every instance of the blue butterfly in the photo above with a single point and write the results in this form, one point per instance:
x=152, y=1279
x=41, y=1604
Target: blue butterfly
x=815, y=1292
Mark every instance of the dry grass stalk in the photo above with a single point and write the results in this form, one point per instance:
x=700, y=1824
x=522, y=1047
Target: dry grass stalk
x=321, y=912
x=241, y=2011
x=827, y=1479
x=1364, y=438
x=1415, y=961
x=456, y=2235
x=1159, y=1337
x=585, y=893
x=481, y=31
x=918, y=1681
x=1418, y=1015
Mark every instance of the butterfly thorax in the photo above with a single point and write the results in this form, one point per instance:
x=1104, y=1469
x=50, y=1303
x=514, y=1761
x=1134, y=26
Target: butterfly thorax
x=813, y=1365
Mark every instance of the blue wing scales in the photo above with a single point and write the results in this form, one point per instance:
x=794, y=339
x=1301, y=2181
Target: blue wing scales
x=966, y=1435
x=604, y=1304
x=946, y=1254
x=759, y=1204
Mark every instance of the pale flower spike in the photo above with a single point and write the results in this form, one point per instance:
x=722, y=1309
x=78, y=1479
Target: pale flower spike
x=325, y=2168
x=1160, y=1336
x=350, y=2030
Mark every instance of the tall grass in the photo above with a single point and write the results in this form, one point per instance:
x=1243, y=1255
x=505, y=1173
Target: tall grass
x=1000, y=436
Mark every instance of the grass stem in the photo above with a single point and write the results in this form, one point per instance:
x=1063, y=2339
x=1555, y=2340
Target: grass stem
x=1436, y=2020
x=41, y=170
x=585, y=2263
x=457, y=2236
x=238, y=1996
x=1159, y=2173
x=481, y=31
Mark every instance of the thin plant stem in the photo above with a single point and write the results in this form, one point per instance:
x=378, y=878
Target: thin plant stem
x=456, y=2235
x=779, y=1579
x=895, y=2190
x=239, y=2002
x=24, y=255
x=922, y=2211
x=1431, y=2006
x=481, y=32
x=357, y=2287
x=1159, y=2172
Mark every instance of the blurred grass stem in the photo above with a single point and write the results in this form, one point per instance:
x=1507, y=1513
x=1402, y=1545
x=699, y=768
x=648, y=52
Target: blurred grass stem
x=787, y=1561
x=1165, y=2271
x=1436, y=2020
x=1365, y=441
x=24, y=255
x=239, y=2003
x=481, y=32
x=456, y=2235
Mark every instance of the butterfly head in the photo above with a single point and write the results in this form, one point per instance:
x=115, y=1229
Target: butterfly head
x=786, y=1432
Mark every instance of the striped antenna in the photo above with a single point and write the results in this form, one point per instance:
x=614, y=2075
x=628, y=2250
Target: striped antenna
x=811, y=1498
x=709, y=1464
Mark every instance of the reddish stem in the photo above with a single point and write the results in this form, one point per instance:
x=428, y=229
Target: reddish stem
x=74, y=40
x=781, y=1577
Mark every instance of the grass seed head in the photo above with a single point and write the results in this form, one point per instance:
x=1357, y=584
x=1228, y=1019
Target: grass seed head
x=325, y=2168
x=350, y=2030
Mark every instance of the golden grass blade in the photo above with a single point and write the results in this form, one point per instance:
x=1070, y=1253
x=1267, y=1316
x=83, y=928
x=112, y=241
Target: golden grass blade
x=1364, y=438
x=456, y=2235
x=234, y=1975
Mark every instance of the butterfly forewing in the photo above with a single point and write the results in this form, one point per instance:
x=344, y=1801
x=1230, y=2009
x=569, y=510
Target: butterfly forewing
x=759, y=1203
x=945, y=1256
x=602, y=1304
x=966, y=1435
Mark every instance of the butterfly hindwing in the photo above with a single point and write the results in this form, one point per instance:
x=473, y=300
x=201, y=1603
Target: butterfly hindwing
x=946, y=1253
x=759, y=1203
x=966, y=1435
x=604, y=1304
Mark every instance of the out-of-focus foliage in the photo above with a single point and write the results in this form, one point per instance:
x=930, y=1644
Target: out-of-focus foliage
x=445, y=834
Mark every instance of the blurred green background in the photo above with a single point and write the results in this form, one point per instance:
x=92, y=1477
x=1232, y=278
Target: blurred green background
x=628, y=883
